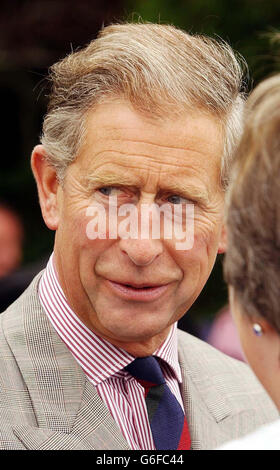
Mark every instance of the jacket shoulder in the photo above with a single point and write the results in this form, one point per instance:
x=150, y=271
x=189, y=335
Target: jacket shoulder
x=16, y=405
x=215, y=374
x=192, y=349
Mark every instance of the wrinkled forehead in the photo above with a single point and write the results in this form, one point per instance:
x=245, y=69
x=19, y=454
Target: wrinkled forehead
x=124, y=143
x=115, y=118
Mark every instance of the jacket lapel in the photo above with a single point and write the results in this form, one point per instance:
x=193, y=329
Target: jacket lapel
x=95, y=423
x=67, y=407
x=206, y=396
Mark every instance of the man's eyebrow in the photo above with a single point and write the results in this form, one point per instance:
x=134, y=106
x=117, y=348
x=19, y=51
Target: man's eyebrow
x=181, y=188
x=111, y=179
x=187, y=190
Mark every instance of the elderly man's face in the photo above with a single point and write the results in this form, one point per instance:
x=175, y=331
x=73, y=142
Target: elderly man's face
x=130, y=291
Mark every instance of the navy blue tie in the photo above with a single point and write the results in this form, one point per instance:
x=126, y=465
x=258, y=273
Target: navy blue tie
x=167, y=420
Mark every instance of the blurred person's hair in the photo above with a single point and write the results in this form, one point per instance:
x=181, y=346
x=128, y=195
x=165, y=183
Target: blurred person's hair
x=161, y=70
x=252, y=263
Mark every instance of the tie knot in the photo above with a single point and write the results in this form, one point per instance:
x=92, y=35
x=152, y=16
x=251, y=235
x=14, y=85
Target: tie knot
x=146, y=369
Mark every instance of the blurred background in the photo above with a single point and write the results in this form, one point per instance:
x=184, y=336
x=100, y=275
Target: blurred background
x=36, y=33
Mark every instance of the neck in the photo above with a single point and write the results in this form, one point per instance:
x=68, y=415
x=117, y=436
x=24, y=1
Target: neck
x=142, y=348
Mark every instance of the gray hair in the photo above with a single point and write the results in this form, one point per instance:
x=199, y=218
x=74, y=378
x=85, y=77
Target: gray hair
x=159, y=69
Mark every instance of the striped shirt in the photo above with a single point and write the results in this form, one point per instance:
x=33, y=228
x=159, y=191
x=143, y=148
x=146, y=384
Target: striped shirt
x=103, y=364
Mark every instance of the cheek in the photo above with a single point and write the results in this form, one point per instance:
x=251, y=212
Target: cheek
x=205, y=245
x=197, y=263
x=80, y=226
x=207, y=238
x=193, y=260
x=94, y=241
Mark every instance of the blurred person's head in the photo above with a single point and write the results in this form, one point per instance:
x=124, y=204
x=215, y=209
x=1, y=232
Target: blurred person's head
x=149, y=114
x=11, y=240
x=252, y=264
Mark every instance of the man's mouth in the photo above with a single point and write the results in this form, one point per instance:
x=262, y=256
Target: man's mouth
x=141, y=292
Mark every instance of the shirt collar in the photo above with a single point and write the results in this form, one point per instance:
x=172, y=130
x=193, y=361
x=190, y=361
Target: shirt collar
x=98, y=357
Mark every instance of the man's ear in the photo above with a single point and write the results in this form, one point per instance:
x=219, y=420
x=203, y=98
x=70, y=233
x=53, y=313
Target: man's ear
x=47, y=185
x=223, y=240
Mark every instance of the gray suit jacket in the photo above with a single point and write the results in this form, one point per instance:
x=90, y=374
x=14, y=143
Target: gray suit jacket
x=47, y=402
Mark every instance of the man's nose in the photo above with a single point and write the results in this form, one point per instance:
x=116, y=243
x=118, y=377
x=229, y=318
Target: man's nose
x=141, y=252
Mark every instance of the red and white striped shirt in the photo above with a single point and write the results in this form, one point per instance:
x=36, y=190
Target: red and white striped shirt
x=103, y=364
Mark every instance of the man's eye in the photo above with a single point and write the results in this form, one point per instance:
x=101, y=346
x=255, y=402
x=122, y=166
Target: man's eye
x=177, y=200
x=108, y=190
